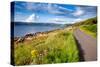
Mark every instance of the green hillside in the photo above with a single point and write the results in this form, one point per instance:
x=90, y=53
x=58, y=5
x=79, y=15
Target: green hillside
x=89, y=26
x=90, y=21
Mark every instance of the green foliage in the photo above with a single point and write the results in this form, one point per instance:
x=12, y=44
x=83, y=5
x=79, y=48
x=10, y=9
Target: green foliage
x=90, y=21
x=90, y=29
x=59, y=47
x=72, y=50
x=89, y=26
x=22, y=54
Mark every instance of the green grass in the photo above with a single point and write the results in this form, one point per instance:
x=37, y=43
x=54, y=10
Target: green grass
x=90, y=29
x=89, y=21
x=22, y=54
x=59, y=47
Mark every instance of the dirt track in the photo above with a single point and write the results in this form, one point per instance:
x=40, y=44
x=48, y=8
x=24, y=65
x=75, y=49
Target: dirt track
x=88, y=45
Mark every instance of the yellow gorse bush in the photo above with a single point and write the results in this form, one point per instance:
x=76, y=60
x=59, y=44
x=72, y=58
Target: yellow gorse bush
x=34, y=53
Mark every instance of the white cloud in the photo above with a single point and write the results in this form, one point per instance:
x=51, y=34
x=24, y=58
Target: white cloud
x=62, y=20
x=63, y=8
x=31, y=18
x=55, y=9
x=51, y=8
x=29, y=5
x=78, y=19
x=73, y=20
x=34, y=6
x=78, y=12
x=58, y=20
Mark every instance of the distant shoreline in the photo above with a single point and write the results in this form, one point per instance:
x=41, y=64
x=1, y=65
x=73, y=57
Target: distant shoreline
x=37, y=33
x=30, y=36
x=21, y=29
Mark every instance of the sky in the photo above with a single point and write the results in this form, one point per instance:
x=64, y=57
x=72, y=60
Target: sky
x=35, y=12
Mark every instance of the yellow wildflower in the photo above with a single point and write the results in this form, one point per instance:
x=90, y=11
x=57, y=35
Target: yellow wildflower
x=34, y=53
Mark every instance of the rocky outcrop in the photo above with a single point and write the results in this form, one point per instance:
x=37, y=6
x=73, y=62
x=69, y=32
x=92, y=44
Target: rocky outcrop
x=30, y=36
x=20, y=39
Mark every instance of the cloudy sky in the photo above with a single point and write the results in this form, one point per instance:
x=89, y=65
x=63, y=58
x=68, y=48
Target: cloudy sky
x=50, y=13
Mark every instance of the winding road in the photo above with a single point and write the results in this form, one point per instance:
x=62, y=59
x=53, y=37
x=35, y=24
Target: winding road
x=87, y=45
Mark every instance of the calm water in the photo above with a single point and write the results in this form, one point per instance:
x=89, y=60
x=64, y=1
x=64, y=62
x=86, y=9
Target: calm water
x=22, y=30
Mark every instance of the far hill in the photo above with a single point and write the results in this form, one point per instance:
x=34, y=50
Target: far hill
x=89, y=21
x=40, y=24
x=89, y=26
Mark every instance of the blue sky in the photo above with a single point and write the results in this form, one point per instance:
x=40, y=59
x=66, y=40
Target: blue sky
x=35, y=12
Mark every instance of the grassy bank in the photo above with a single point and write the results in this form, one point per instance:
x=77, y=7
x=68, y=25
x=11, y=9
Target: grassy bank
x=58, y=47
x=88, y=26
x=90, y=29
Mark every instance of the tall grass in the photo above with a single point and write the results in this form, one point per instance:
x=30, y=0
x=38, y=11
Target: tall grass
x=59, y=47
x=22, y=54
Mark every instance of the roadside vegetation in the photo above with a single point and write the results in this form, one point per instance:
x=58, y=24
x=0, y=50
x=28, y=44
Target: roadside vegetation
x=88, y=26
x=59, y=47
x=90, y=29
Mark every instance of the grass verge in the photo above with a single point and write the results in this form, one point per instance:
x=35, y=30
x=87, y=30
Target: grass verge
x=90, y=29
x=59, y=47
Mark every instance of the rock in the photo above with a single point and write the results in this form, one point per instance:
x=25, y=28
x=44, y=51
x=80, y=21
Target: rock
x=21, y=39
x=15, y=38
x=29, y=35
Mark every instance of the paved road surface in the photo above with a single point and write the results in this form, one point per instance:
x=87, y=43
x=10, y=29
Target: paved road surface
x=87, y=44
